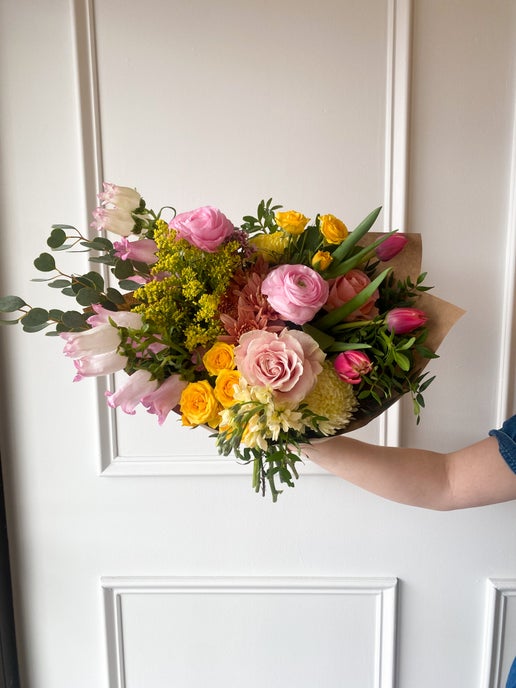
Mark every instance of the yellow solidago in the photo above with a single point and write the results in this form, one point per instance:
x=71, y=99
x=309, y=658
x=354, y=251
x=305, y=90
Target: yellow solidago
x=332, y=398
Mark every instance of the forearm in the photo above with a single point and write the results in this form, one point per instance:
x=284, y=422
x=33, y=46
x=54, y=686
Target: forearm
x=409, y=476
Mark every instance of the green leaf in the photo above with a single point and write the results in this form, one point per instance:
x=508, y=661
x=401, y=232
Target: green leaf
x=96, y=279
x=324, y=340
x=9, y=304
x=74, y=320
x=114, y=296
x=86, y=296
x=9, y=322
x=45, y=262
x=97, y=244
x=59, y=283
x=402, y=361
x=129, y=285
x=55, y=314
x=340, y=314
x=36, y=316
x=57, y=238
x=343, y=249
x=35, y=328
x=345, y=266
x=348, y=346
x=123, y=269
x=68, y=291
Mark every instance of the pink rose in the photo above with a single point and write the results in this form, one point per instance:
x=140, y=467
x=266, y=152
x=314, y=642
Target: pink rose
x=350, y=366
x=288, y=363
x=206, y=227
x=296, y=292
x=346, y=287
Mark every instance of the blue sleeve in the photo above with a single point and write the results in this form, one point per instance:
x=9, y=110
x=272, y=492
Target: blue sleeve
x=506, y=437
x=511, y=679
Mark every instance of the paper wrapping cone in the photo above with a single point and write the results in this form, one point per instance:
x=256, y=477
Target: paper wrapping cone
x=442, y=316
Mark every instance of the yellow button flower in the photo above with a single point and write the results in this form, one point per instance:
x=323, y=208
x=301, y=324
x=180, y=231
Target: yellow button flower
x=219, y=357
x=321, y=260
x=333, y=229
x=198, y=405
x=225, y=387
x=291, y=221
x=270, y=246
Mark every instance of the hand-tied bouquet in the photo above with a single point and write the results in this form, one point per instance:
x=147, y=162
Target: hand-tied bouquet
x=272, y=333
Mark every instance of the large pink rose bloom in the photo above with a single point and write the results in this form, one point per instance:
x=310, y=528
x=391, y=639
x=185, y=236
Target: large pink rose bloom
x=288, y=363
x=346, y=287
x=204, y=227
x=296, y=292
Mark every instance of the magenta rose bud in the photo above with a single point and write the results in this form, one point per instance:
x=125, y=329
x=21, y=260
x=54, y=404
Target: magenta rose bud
x=403, y=320
x=391, y=247
x=351, y=366
x=206, y=228
x=296, y=292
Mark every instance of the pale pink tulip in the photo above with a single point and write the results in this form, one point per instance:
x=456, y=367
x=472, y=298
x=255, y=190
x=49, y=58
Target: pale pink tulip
x=100, y=364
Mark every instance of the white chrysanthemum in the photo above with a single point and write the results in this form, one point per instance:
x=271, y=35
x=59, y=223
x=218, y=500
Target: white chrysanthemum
x=332, y=398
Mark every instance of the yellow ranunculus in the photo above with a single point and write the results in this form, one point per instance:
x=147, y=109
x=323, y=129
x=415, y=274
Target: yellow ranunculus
x=270, y=246
x=333, y=229
x=198, y=405
x=321, y=260
x=291, y=221
x=219, y=357
x=224, y=387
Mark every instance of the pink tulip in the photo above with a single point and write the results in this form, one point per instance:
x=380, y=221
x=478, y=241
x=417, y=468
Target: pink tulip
x=403, y=320
x=351, y=366
x=137, y=386
x=165, y=398
x=391, y=247
x=141, y=250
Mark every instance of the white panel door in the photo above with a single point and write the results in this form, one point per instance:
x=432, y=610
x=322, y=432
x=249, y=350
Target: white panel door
x=142, y=559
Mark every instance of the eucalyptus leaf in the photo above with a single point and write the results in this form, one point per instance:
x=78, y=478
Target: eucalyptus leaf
x=9, y=322
x=74, y=320
x=45, y=262
x=114, y=296
x=128, y=285
x=86, y=296
x=35, y=328
x=9, y=304
x=59, y=283
x=57, y=238
x=36, y=316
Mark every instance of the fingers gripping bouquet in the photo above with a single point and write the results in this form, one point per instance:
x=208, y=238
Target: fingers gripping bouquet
x=272, y=333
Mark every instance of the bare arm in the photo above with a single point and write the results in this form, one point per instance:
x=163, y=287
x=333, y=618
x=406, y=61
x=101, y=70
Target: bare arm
x=472, y=476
